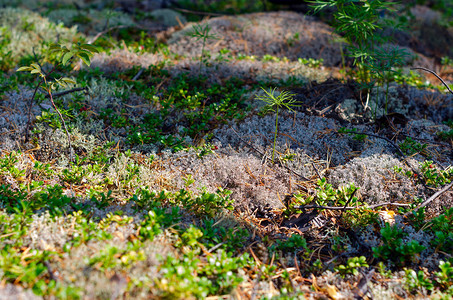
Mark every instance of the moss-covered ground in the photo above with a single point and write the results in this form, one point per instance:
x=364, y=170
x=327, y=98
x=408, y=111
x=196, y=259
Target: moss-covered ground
x=174, y=182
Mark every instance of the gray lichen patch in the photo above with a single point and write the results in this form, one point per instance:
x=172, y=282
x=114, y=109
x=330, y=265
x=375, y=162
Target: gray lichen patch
x=26, y=31
x=168, y=17
x=120, y=60
x=313, y=135
x=276, y=33
x=91, y=21
x=376, y=179
x=380, y=102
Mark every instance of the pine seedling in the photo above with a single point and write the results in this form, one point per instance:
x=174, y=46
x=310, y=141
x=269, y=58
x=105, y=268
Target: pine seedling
x=201, y=32
x=274, y=103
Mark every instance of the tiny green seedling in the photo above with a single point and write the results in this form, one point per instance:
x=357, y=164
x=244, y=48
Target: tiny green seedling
x=82, y=51
x=352, y=266
x=274, y=103
x=201, y=32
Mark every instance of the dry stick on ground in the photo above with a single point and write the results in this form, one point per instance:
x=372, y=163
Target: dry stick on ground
x=106, y=31
x=434, y=73
x=67, y=92
x=138, y=74
x=49, y=269
x=351, y=207
x=64, y=125
x=430, y=199
x=202, y=13
x=448, y=186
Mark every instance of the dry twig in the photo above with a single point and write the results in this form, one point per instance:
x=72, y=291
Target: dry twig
x=430, y=199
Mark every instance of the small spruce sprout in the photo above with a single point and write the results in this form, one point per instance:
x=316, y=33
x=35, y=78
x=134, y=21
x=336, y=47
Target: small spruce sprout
x=274, y=103
x=201, y=32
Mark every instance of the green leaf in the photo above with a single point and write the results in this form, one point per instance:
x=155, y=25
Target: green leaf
x=66, y=57
x=54, y=47
x=90, y=48
x=24, y=69
x=68, y=80
x=36, y=66
x=85, y=58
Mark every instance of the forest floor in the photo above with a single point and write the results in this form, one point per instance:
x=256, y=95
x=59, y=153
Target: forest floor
x=175, y=182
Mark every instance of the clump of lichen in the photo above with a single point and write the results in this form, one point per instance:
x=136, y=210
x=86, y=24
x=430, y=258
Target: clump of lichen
x=25, y=32
x=168, y=17
x=91, y=21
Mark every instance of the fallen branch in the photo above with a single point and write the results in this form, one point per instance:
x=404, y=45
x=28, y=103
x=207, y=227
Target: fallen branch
x=202, y=13
x=434, y=73
x=106, y=31
x=430, y=199
x=67, y=92
x=49, y=269
x=138, y=74
x=350, y=207
x=30, y=106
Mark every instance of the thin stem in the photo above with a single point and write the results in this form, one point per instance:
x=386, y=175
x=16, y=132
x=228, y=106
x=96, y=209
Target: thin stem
x=275, y=135
x=201, y=56
x=27, y=129
x=43, y=80
x=62, y=119
x=386, y=96
x=434, y=73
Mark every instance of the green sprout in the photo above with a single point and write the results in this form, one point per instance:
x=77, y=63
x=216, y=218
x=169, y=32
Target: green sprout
x=201, y=32
x=274, y=103
x=352, y=266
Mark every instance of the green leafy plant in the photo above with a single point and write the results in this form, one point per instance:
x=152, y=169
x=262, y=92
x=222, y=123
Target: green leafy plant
x=382, y=269
x=294, y=242
x=411, y=147
x=327, y=195
x=442, y=227
x=394, y=249
x=433, y=176
x=358, y=21
x=275, y=103
x=418, y=280
x=206, y=204
x=381, y=64
x=82, y=51
x=352, y=266
x=444, y=277
x=311, y=62
x=352, y=132
x=230, y=239
x=445, y=135
x=293, y=39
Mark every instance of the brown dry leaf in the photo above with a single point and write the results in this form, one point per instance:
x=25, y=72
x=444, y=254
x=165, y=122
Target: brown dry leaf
x=332, y=291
